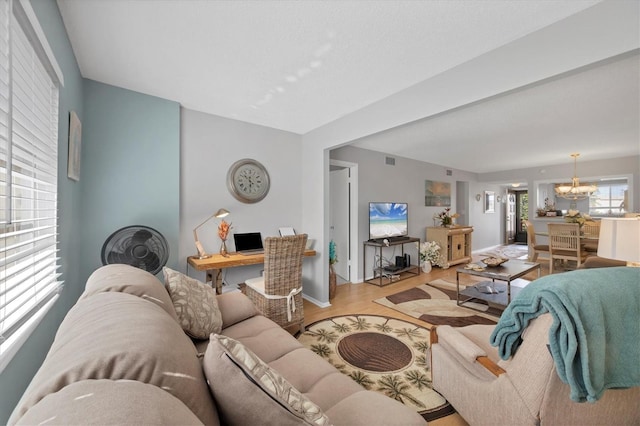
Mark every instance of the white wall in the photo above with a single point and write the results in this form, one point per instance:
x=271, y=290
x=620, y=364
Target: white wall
x=586, y=169
x=210, y=145
x=602, y=31
x=402, y=182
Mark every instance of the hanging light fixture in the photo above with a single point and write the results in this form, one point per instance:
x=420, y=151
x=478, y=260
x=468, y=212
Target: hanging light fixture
x=575, y=191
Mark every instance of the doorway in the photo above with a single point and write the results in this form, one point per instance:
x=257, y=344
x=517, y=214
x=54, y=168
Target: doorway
x=522, y=214
x=343, y=218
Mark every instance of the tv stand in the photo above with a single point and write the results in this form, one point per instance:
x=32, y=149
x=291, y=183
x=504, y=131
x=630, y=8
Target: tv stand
x=386, y=275
x=398, y=239
x=390, y=239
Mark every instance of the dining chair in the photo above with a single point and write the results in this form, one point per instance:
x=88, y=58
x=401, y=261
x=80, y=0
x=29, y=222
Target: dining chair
x=591, y=230
x=564, y=243
x=534, y=248
x=278, y=293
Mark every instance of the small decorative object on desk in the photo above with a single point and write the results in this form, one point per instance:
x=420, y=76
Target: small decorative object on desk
x=333, y=258
x=494, y=261
x=445, y=217
x=574, y=216
x=223, y=234
x=429, y=254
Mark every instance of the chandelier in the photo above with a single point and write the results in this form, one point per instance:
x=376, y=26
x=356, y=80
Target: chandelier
x=575, y=191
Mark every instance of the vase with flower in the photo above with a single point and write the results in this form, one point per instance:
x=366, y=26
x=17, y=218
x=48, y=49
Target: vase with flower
x=445, y=217
x=223, y=234
x=574, y=216
x=429, y=255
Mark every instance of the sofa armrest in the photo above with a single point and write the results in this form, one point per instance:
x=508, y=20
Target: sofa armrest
x=465, y=348
x=235, y=307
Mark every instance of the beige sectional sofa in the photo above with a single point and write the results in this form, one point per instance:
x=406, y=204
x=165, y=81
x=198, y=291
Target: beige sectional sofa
x=121, y=357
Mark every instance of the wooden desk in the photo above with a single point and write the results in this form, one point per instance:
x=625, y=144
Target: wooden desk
x=216, y=263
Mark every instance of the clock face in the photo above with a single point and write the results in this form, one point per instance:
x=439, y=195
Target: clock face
x=248, y=181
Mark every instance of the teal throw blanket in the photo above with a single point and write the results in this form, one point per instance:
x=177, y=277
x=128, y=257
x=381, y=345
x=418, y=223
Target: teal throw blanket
x=595, y=335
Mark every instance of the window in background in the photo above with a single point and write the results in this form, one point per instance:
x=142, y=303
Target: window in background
x=29, y=78
x=610, y=198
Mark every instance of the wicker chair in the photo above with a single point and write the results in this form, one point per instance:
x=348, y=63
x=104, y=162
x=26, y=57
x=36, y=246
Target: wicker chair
x=278, y=294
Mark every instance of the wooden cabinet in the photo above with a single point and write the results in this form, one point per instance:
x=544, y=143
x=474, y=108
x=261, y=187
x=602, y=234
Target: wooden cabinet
x=455, y=244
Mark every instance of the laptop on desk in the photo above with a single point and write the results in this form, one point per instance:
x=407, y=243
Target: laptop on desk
x=248, y=243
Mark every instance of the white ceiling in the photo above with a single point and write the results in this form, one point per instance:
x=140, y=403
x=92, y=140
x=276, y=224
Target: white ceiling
x=298, y=65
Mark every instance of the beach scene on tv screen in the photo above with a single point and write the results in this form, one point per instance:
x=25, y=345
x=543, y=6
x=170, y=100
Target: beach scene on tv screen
x=387, y=219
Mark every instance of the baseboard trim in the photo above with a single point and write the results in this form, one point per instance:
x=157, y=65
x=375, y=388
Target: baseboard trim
x=316, y=302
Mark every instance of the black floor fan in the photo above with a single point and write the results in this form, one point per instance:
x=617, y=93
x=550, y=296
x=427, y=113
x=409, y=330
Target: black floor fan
x=137, y=245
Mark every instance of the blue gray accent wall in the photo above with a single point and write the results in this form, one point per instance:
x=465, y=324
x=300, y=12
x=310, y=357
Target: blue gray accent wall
x=130, y=175
x=18, y=373
x=130, y=171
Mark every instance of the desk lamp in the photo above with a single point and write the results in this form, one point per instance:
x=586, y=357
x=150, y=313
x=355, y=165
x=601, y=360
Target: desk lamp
x=202, y=254
x=620, y=240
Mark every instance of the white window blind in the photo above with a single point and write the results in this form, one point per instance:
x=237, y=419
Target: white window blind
x=28, y=179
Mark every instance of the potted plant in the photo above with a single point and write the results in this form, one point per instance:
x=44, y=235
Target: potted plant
x=333, y=258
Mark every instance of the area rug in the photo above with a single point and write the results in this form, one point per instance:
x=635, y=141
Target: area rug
x=511, y=251
x=435, y=304
x=382, y=354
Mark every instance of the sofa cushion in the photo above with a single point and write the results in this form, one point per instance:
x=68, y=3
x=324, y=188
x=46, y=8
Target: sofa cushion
x=367, y=408
x=263, y=337
x=235, y=307
x=315, y=378
x=120, y=336
x=236, y=374
x=104, y=402
x=131, y=280
x=195, y=304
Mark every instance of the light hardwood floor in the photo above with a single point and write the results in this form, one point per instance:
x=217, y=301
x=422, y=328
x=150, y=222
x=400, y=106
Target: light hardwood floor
x=359, y=299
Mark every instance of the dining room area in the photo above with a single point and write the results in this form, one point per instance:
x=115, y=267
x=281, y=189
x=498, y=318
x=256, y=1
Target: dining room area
x=576, y=240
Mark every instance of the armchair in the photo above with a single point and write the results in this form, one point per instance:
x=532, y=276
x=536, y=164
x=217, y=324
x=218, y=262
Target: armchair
x=525, y=388
x=278, y=294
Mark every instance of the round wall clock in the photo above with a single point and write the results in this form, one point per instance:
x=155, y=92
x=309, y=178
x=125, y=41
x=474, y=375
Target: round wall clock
x=248, y=180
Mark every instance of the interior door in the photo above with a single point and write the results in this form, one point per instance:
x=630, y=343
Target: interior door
x=339, y=220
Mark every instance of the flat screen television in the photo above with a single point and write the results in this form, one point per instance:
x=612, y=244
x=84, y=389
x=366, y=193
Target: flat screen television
x=388, y=220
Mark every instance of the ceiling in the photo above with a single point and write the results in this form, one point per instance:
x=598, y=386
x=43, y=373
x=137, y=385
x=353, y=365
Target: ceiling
x=299, y=65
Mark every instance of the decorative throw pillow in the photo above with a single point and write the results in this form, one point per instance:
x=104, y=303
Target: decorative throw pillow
x=195, y=304
x=234, y=373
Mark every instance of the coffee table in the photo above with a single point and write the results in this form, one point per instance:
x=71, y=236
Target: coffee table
x=506, y=272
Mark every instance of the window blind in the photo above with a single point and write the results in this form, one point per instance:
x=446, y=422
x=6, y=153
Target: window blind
x=29, y=277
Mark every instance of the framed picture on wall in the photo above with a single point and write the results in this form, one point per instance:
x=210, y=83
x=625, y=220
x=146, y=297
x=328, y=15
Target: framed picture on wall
x=437, y=194
x=489, y=202
x=75, y=142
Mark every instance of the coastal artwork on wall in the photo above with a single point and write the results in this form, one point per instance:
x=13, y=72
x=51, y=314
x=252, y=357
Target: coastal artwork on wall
x=437, y=194
x=75, y=141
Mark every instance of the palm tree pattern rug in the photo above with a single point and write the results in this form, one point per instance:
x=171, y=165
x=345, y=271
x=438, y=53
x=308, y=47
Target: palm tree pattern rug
x=435, y=304
x=382, y=354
